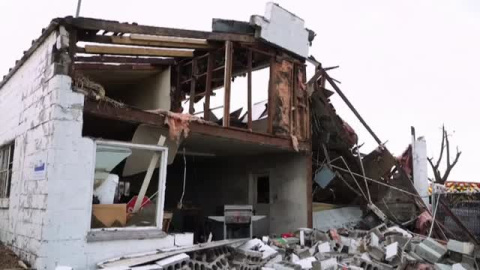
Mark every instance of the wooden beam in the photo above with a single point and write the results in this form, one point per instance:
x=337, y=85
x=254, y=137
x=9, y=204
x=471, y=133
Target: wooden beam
x=125, y=60
x=180, y=40
x=126, y=114
x=208, y=86
x=116, y=27
x=227, y=82
x=249, y=89
x=165, y=44
x=193, y=84
x=137, y=51
x=100, y=66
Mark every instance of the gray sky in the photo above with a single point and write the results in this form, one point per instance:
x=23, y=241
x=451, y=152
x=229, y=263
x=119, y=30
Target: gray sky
x=402, y=63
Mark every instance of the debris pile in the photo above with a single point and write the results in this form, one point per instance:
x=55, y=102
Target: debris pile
x=380, y=248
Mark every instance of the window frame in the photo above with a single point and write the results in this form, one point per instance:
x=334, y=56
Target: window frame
x=6, y=173
x=106, y=234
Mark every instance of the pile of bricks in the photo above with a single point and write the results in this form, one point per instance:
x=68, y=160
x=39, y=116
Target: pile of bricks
x=380, y=248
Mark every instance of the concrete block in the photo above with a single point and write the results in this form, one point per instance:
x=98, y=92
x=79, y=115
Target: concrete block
x=329, y=264
x=391, y=251
x=283, y=265
x=459, y=266
x=324, y=247
x=460, y=247
x=183, y=239
x=441, y=266
x=430, y=250
x=174, y=262
x=306, y=263
x=376, y=253
x=258, y=245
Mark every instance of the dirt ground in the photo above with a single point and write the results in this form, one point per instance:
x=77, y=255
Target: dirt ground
x=8, y=260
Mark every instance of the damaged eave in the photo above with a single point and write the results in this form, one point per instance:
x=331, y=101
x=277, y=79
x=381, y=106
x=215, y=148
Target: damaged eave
x=127, y=114
x=117, y=27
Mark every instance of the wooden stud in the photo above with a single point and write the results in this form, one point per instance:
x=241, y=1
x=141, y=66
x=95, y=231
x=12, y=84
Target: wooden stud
x=227, y=82
x=177, y=95
x=193, y=84
x=249, y=89
x=208, y=86
x=137, y=51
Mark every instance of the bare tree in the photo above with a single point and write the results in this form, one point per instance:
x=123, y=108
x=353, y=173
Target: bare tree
x=439, y=178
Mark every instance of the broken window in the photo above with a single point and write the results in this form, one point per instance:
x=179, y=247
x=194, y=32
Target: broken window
x=6, y=161
x=129, y=185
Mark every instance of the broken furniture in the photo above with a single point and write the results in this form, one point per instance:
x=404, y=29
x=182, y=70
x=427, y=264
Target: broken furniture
x=237, y=221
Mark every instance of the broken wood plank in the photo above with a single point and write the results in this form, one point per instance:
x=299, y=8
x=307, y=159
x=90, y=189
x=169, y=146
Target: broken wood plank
x=137, y=51
x=208, y=87
x=227, y=82
x=191, y=41
x=125, y=60
x=148, y=176
x=114, y=26
x=165, y=44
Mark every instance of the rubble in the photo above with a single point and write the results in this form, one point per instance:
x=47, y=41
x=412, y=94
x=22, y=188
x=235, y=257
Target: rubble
x=380, y=248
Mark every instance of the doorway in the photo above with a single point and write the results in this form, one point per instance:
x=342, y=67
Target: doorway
x=260, y=199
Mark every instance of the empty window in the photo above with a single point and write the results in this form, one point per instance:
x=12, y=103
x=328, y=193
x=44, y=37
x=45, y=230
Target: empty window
x=128, y=185
x=263, y=189
x=6, y=160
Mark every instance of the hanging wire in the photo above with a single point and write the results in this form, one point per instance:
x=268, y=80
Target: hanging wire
x=180, y=203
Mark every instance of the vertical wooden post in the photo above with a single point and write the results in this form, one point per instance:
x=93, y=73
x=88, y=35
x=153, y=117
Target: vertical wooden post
x=193, y=83
x=208, y=87
x=270, y=105
x=176, y=96
x=249, y=89
x=227, y=83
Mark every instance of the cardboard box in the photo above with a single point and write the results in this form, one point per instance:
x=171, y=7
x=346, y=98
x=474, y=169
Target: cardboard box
x=109, y=213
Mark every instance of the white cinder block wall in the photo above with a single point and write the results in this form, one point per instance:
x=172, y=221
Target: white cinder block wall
x=48, y=216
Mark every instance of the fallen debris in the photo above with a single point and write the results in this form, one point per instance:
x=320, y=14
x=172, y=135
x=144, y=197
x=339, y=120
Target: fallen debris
x=379, y=248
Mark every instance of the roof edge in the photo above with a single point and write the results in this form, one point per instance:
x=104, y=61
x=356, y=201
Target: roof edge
x=54, y=24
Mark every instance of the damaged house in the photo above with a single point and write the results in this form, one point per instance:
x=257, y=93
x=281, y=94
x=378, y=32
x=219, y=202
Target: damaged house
x=103, y=153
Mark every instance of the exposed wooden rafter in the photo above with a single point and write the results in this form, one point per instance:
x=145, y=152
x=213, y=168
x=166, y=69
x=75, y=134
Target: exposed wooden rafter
x=136, y=51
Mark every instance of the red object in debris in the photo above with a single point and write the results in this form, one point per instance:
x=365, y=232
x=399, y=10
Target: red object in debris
x=131, y=203
x=423, y=224
x=287, y=235
x=334, y=235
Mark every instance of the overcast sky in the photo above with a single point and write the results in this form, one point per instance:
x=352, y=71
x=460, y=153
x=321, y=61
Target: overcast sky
x=402, y=63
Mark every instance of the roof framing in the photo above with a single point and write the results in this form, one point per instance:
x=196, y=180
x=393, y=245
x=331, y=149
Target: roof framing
x=117, y=27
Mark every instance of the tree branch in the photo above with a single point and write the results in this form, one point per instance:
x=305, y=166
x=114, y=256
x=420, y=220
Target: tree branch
x=436, y=173
x=441, y=148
